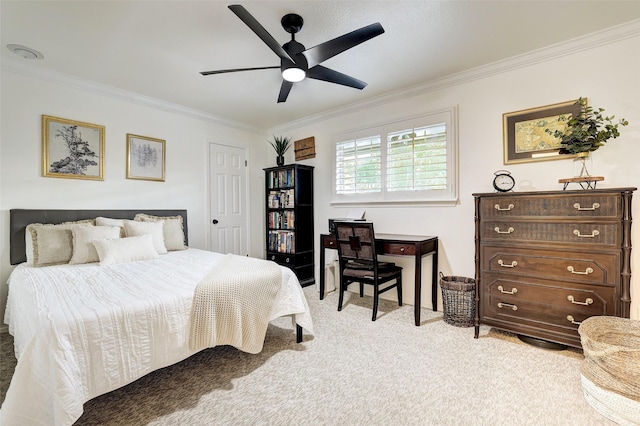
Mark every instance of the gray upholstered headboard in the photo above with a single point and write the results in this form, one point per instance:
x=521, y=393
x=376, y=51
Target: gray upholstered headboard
x=20, y=218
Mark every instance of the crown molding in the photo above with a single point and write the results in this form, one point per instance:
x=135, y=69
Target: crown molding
x=34, y=71
x=604, y=37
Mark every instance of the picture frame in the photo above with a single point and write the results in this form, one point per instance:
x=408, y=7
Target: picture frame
x=524, y=136
x=145, y=158
x=72, y=149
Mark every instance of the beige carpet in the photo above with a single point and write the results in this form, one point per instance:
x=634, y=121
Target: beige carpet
x=356, y=372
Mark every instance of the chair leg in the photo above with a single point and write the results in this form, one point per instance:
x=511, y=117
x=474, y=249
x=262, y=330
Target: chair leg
x=399, y=283
x=342, y=288
x=376, y=294
x=361, y=290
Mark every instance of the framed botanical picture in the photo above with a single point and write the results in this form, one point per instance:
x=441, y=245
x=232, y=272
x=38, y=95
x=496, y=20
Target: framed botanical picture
x=525, y=138
x=72, y=149
x=145, y=158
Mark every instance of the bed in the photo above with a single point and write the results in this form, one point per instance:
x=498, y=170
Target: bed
x=86, y=329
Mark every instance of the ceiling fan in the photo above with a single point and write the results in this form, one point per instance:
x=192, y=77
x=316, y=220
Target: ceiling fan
x=297, y=62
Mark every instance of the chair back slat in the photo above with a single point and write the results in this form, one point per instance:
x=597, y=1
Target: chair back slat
x=356, y=241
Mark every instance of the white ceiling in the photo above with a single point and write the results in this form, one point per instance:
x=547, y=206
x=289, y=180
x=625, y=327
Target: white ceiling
x=158, y=48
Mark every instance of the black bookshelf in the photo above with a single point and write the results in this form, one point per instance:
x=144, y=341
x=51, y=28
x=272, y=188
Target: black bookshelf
x=289, y=219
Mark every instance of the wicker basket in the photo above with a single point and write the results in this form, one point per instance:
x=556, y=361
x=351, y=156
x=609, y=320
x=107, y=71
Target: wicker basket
x=458, y=300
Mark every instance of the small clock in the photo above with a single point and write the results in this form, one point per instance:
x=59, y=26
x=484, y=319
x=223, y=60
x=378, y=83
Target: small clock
x=503, y=182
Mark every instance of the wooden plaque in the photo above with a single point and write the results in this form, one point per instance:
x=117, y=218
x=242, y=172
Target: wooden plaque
x=305, y=148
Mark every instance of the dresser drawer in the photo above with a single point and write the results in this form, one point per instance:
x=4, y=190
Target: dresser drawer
x=589, y=268
x=539, y=303
x=595, y=300
x=584, y=234
x=578, y=206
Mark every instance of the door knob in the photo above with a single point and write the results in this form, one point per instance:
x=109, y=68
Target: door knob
x=215, y=221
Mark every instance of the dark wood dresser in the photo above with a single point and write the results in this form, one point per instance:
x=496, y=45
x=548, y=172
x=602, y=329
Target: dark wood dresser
x=547, y=260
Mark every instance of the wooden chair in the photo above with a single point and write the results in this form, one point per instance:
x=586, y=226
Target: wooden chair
x=359, y=262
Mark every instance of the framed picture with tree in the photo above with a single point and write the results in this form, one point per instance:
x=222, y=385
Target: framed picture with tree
x=72, y=149
x=145, y=158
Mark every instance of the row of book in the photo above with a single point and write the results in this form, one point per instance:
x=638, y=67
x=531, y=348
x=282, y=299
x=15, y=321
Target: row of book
x=282, y=241
x=281, y=199
x=282, y=220
x=281, y=178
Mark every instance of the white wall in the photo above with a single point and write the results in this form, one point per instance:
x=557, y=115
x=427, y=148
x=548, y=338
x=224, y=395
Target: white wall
x=26, y=98
x=608, y=75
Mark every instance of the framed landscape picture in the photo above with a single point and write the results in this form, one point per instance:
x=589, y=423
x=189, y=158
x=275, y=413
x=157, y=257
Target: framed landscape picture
x=145, y=158
x=72, y=149
x=525, y=138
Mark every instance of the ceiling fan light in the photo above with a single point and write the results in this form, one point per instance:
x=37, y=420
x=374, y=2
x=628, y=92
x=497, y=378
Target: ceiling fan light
x=293, y=74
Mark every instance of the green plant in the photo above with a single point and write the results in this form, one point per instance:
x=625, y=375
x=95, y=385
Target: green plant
x=281, y=144
x=588, y=131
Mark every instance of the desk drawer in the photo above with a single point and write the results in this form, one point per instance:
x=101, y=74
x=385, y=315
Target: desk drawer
x=396, y=248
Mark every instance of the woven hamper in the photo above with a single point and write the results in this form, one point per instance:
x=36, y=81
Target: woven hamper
x=458, y=300
x=611, y=367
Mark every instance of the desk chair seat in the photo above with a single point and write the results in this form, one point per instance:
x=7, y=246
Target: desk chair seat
x=359, y=263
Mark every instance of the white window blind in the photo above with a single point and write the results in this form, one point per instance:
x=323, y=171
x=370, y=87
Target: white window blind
x=358, y=166
x=407, y=161
x=417, y=159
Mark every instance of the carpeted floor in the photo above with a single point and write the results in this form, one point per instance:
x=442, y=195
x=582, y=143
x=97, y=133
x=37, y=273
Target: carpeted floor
x=357, y=372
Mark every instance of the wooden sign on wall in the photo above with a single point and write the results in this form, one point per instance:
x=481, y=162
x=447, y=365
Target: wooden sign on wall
x=305, y=148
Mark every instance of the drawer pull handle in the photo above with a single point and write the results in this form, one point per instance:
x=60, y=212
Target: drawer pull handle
x=571, y=299
x=402, y=250
x=593, y=207
x=507, y=305
x=587, y=271
x=593, y=233
x=572, y=320
x=500, y=209
x=513, y=291
x=330, y=243
x=504, y=265
x=508, y=231
x=287, y=260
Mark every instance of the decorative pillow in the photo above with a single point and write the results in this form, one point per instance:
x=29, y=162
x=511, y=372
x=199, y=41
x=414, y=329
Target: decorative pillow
x=107, y=221
x=134, y=229
x=121, y=250
x=83, y=236
x=172, y=228
x=52, y=244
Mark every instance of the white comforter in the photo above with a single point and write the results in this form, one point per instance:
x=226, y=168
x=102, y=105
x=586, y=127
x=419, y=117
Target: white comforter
x=84, y=330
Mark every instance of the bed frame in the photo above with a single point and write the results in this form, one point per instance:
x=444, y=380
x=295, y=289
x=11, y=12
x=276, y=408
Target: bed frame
x=20, y=218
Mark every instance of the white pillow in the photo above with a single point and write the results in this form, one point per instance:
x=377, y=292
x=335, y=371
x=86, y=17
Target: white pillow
x=121, y=250
x=107, y=221
x=52, y=244
x=172, y=229
x=134, y=229
x=83, y=250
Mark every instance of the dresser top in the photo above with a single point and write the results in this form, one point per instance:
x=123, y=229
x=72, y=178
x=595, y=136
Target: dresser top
x=558, y=192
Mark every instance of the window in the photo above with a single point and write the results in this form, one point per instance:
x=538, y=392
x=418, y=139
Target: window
x=408, y=161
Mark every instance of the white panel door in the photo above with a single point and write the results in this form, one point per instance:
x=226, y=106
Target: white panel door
x=228, y=210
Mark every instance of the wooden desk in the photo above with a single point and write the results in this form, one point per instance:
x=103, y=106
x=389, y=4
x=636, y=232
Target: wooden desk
x=397, y=245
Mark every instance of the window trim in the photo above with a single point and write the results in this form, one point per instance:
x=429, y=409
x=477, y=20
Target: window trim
x=448, y=196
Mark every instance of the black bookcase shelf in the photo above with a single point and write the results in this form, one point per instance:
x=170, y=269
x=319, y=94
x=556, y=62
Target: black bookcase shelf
x=289, y=219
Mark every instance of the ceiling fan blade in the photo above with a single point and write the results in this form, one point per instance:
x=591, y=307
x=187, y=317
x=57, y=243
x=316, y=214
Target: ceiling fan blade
x=284, y=90
x=331, y=48
x=326, y=74
x=237, y=69
x=255, y=26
